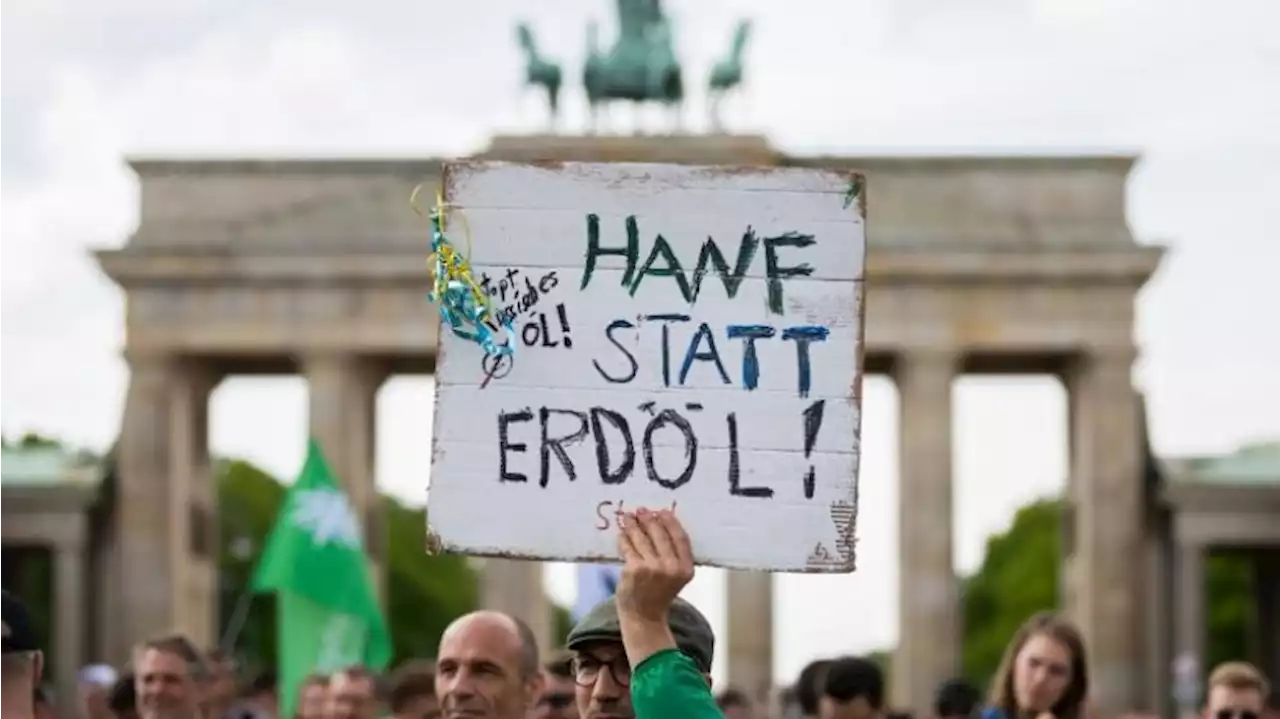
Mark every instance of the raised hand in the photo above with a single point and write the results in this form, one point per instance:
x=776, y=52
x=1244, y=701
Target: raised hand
x=657, y=564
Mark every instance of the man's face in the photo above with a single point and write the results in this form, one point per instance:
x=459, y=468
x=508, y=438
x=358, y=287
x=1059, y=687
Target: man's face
x=478, y=671
x=166, y=689
x=557, y=698
x=856, y=708
x=603, y=683
x=1227, y=703
x=312, y=702
x=351, y=697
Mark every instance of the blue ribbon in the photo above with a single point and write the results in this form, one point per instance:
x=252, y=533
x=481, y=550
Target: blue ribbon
x=463, y=305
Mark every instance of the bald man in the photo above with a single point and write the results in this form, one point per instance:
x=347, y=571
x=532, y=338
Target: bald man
x=488, y=667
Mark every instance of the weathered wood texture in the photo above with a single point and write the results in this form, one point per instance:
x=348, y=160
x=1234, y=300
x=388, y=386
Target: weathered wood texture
x=706, y=354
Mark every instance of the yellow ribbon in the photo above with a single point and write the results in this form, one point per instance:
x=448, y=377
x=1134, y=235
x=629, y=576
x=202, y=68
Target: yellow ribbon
x=457, y=267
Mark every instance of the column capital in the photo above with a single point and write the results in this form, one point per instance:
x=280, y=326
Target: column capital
x=1106, y=373
x=932, y=361
x=368, y=370
x=149, y=367
x=1093, y=359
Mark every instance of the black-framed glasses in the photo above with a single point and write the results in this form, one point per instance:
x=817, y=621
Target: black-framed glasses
x=1235, y=714
x=586, y=670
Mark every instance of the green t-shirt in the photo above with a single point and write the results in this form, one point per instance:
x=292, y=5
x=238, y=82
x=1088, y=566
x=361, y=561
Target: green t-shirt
x=668, y=685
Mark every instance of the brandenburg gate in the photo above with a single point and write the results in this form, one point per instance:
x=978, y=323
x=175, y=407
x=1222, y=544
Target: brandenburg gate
x=986, y=264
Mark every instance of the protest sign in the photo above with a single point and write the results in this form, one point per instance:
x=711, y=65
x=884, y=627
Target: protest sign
x=684, y=337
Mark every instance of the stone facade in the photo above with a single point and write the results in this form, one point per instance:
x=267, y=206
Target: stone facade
x=317, y=267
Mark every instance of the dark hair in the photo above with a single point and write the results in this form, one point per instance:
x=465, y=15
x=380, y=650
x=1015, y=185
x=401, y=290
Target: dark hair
x=1061, y=630
x=179, y=645
x=315, y=680
x=411, y=681
x=956, y=697
x=560, y=665
x=264, y=682
x=124, y=695
x=355, y=672
x=808, y=686
x=732, y=697
x=851, y=677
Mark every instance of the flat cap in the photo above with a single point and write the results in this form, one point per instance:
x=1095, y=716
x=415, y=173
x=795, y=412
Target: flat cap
x=19, y=634
x=691, y=630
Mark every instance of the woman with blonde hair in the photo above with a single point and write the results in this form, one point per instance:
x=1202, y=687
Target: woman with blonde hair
x=1044, y=671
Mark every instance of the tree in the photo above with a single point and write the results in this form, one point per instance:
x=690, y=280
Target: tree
x=1019, y=576
x=32, y=440
x=425, y=592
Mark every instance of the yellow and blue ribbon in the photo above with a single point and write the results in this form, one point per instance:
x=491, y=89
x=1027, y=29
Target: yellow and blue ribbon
x=464, y=307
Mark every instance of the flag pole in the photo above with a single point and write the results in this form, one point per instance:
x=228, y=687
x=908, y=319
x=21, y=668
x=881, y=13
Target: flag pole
x=239, y=618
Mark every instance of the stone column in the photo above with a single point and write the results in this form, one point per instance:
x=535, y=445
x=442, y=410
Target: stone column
x=147, y=538
x=750, y=623
x=69, y=583
x=1107, y=490
x=1189, y=631
x=343, y=401
x=193, y=505
x=514, y=587
x=928, y=649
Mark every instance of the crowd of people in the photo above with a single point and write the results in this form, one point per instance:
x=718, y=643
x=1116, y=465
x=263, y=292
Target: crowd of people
x=643, y=653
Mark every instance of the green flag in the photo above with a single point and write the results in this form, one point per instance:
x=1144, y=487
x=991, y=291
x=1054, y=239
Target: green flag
x=315, y=563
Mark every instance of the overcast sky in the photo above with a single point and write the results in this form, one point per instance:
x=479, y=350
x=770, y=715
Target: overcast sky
x=1191, y=88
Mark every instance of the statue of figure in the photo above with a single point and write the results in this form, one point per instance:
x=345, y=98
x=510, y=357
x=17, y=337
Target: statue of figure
x=727, y=74
x=540, y=71
x=641, y=66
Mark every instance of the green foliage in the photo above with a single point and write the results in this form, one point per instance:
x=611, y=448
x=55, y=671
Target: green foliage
x=31, y=440
x=248, y=499
x=1019, y=576
x=561, y=624
x=28, y=573
x=1230, y=607
x=425, y=593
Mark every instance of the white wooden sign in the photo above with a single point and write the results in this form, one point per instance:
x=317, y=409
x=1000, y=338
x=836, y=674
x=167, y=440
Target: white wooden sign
x=687, y=338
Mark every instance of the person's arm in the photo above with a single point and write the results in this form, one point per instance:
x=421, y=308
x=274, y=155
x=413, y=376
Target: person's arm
x=644, y=638
x=657, y=564
x=668, y=684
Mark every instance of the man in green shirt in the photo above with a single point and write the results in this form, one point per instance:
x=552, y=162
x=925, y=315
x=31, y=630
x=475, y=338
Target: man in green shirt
x=646, y=653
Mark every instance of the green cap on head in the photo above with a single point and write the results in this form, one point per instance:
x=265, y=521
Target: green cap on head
x=691, y=630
